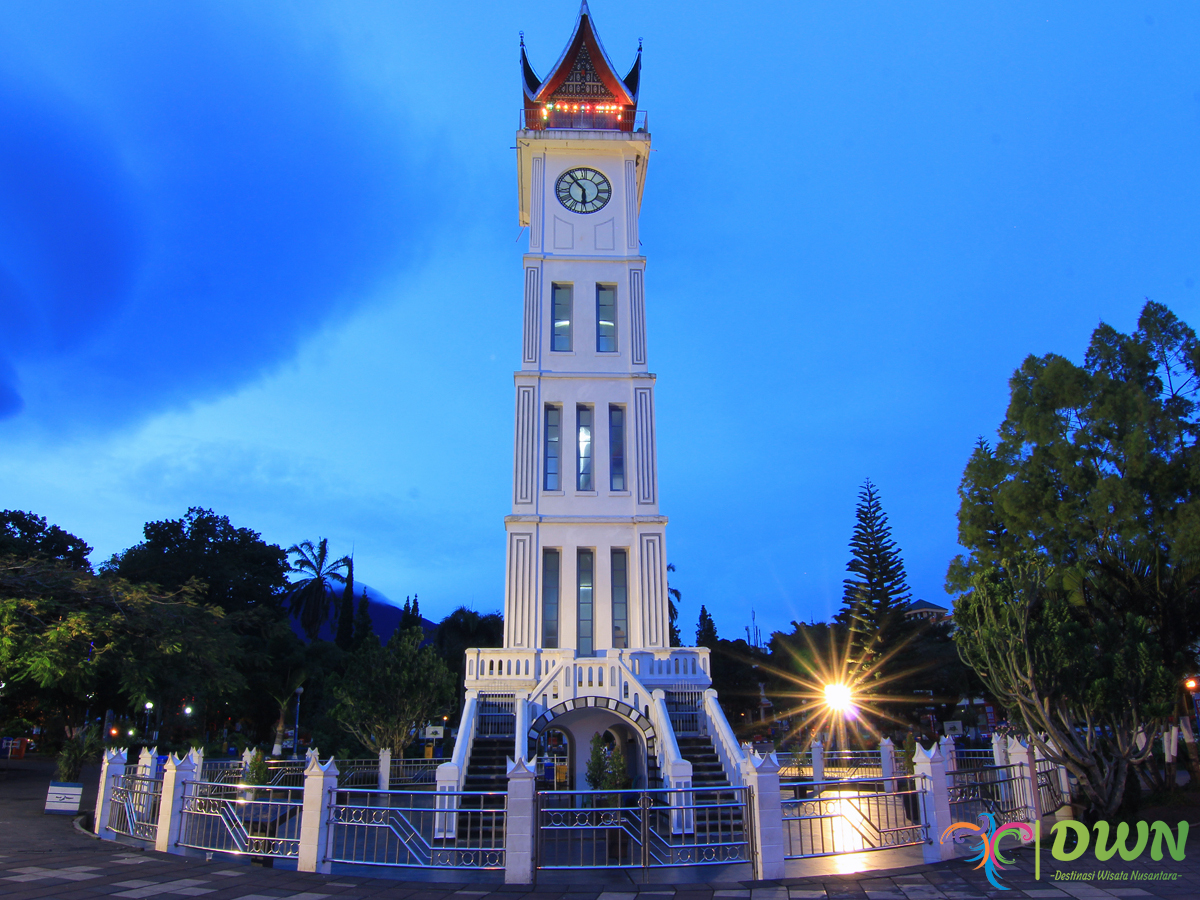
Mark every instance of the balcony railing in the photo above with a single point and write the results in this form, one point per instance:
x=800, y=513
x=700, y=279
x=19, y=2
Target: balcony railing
x=584, y=117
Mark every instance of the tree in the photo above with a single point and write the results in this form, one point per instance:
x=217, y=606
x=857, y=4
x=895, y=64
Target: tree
x=462, y=630
x=26, y=536
x=876, y=594
x=706, y=630
x=389, y=691
x=607, y=769
x=1088, y=683
x=364, y=628
x=410, y=615
x=309, y=598
x=1095, y=483
x=237, y=568
x=82, y=641
x=345, y=619
x=674, y=597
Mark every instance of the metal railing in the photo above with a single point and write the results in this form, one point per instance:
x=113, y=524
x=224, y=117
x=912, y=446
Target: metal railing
x=853, y=763
x=286, y=772
x=1050, y=795
x=686, y=709
x=222, y=771
x=135, y=800
x=358, y=772
x=242, y=819
x=999, y=791
x=419, y=774
x=642, y=829
x=852, y=815
x=584, y=117
x=794, y=766
x=497, y=716
x=963, y=760
x=443, y=829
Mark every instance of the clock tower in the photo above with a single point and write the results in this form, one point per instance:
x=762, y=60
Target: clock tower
x=587, y=646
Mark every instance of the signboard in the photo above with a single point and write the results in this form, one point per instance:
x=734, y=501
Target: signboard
x=434, y=732
x=953, y=727
x=990, y=712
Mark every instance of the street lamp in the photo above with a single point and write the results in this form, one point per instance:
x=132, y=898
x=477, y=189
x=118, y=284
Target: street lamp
x=149, y=706
x=838, y=697
x=296, y=734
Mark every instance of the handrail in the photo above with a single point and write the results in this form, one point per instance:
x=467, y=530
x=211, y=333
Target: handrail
x=466, y=737
x=668, y=747
x=726, y=745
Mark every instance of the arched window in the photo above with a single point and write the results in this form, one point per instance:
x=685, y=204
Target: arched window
x=491, y=667
x=471, y=667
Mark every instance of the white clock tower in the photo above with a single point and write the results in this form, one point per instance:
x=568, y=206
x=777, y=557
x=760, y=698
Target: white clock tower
x=587, y=645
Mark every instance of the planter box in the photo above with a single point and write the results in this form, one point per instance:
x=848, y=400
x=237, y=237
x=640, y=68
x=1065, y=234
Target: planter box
x=63, y=798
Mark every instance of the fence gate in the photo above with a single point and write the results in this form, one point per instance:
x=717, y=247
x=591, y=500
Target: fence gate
x=134, y=808
x=642, y=829
x=999, y=791
x=254, y=820
x=852, y=815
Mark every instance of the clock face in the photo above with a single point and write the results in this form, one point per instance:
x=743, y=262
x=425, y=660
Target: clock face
x=583, y=190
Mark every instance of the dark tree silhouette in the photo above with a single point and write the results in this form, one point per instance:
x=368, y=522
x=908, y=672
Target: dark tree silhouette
x=876, y=593
x=706, y=630
x=309, y=597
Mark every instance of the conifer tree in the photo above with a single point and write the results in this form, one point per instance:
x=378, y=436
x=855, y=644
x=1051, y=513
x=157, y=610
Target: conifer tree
x=363, y=628
x=876, y=593
x=706, y=630
x=345, y=622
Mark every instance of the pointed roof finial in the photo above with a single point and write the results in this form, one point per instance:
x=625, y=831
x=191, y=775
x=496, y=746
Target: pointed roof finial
x=523, y=38
x=583, y=8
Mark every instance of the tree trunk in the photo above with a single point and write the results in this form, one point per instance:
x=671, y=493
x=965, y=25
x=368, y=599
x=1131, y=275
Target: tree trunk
x=280, y=726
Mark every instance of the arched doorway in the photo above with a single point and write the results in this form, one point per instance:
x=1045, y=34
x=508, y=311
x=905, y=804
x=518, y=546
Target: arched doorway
x=565, y=732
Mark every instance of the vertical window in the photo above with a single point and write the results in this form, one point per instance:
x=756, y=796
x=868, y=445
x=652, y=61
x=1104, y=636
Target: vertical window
x=606, y=318
x=550, y=599
x=620, y=598
x=552, y=454
x=560, y=336
x=583, y=417
x=583, y=568
x=616, y=448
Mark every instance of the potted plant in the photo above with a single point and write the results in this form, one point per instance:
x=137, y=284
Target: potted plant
x=256, y=773
x=64, y=795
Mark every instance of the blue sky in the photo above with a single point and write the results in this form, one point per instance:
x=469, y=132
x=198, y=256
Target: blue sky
x=262, y=258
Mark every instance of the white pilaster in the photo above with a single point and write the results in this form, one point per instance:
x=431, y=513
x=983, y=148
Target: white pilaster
x=385, y=769
x=170, y=807
x=761, y=774
x=319, y=780
x=930, y=769
x=520, y=826
x=111, y=769
x=887, y=764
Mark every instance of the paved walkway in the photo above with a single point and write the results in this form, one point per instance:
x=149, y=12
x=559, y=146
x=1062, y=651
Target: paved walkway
x=44, y=857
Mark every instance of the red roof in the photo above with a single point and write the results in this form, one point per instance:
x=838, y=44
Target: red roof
x=583, y=73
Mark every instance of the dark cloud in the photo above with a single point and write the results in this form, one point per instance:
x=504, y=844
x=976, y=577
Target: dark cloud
x=183, y=198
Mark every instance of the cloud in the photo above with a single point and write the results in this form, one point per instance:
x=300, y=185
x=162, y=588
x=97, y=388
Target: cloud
x=185, y=195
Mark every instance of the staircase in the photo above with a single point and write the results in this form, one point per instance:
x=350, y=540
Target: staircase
x=487, y=768
x=707, y=771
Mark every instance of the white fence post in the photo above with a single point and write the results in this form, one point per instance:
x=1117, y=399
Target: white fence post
x=170, y=806
x=818, y=761
x=999, y=750
x=319, y=780
x=520, y=827
x=761, y=775
x=887, y=764
x=1026, y=756
x=147, y=761
x=930, y=770
x=112, y=768
x=385, y=769
x=949, y=753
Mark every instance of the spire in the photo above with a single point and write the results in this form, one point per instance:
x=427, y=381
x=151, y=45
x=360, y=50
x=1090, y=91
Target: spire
x=582, y=80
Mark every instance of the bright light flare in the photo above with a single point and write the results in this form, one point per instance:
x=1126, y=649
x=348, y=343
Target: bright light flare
x=837, y=697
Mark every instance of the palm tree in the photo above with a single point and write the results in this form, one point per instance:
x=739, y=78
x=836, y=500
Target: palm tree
x=310, y=596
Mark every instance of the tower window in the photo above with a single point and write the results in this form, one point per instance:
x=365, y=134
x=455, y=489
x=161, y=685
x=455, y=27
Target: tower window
x=616, y=448
x=560, y=337
x=620, y=598
x=583, y=417
x=550, y=599
x=553, y=478
x=606, y=318
x=583, y=568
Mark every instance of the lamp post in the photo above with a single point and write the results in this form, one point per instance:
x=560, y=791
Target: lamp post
x=296, y=732
x=149, y=706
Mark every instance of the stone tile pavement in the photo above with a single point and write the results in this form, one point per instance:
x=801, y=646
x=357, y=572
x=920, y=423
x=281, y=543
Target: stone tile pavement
x=44, y=858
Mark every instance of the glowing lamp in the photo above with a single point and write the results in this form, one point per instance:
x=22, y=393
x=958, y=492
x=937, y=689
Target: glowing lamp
x=837, y=697
x=1190, y=684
